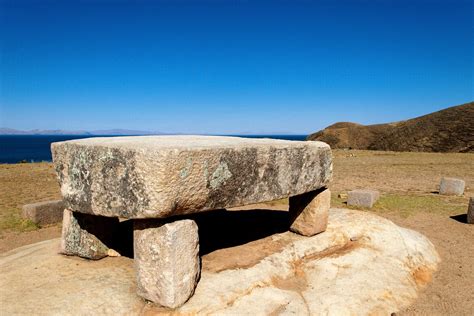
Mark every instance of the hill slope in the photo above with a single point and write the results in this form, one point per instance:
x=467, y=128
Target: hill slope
x=448, y=130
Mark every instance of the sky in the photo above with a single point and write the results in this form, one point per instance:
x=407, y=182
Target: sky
x=231, y=67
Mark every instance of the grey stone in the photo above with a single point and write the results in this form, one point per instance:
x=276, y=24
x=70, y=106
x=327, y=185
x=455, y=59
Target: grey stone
x=309, y=212
x=451, y=186
x=87, y=236
x=470, y=211
x=44, y=213
x=161, y=176
x=362, y=198
x=166, y=260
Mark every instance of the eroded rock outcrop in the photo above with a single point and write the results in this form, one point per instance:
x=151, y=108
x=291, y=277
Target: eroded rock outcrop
x=361, y=264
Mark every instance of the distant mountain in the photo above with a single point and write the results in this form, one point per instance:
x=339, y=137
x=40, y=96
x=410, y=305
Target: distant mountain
x=122, y=132
x=448, y=130
x=10, y=131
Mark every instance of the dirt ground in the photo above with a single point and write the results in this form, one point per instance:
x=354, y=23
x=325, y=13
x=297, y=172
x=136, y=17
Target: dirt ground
x=408, y=183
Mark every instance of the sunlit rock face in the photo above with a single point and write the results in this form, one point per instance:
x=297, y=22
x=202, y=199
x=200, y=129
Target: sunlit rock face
x=161, y=176
x=362, y=264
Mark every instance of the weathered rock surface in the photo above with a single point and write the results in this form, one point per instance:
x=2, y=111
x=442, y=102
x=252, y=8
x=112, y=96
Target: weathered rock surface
x=451, y=186
x=470, y=211
x=160, y=176
x=362, y=264
x=44, y=213
x=309, y=212
x=87, y=236
x=362, y=198
x=166, y=260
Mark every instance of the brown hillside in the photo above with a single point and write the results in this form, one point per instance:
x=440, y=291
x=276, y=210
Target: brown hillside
x=448, y=130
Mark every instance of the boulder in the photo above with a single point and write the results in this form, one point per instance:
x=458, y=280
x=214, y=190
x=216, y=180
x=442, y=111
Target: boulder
x=362, y=264
x=44, y=213
x=451, y=186
x=162, y=176
x=362, y=198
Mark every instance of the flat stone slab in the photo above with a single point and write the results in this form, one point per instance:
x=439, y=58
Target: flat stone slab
x=44, y=213
x=161, y=176
x=362, y=198
x=361, y=265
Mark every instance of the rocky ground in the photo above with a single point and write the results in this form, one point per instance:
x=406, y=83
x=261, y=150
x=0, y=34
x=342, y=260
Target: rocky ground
x=362, y=264
x=408, y=183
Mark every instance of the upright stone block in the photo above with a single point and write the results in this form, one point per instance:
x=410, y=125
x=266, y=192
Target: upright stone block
x=87, y=236
x=166, y=260
x=470, y=211
x=44, y=213
x=309, y=212
x=362, y=198
x=451, y=186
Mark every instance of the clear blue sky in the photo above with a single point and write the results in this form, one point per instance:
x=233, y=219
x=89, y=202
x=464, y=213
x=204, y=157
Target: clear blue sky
x=231, y=66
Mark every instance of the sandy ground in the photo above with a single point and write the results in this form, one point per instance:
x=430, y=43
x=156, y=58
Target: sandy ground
x=12, y=240
x=452, y=289
x=406, y=175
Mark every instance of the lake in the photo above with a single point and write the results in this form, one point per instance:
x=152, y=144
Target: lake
x=35, y=148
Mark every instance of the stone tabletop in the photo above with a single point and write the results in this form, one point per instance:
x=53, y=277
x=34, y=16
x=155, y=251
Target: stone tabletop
x=162, y=176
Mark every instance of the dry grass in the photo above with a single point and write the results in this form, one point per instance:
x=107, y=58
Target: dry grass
x=413, y=173
x=408, y=205
x=23, y=184
x=407, y=181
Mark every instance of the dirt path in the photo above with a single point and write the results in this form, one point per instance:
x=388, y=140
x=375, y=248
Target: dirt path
x=12, y=240
x=452, y=289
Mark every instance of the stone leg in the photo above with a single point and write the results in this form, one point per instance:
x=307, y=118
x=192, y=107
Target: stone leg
x=166, y=259
x=309, y=212
x=87, y=236
x=470, y=211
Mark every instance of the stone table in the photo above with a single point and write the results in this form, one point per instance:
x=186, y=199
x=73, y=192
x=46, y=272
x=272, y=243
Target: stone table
x=158, y=180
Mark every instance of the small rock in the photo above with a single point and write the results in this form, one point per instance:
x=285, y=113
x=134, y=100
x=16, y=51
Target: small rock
x=309, y=212
x=470, y=211
x=166, y=260
x=451, y=186
x=362, y=198
x=112, y=253
x=342, y=196
x=44, y=213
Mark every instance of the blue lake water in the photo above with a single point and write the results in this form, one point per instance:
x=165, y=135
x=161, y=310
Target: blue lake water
x=34, y=148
